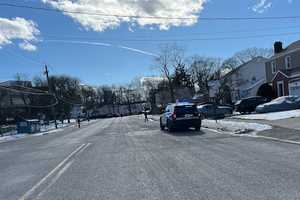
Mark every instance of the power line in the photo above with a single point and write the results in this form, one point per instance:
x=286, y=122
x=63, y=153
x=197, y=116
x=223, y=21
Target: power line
x=22, y=57
x=24, y=92
x=177, y=39
x=32, y=89
x=31, y=93
x=165, y=36
x=47, y=106
x=71, y=103
x=149, y=17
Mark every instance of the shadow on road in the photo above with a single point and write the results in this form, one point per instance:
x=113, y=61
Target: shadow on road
x=185, y=132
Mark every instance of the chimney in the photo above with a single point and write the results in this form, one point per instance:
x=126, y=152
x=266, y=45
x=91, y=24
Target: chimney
x=278, y=47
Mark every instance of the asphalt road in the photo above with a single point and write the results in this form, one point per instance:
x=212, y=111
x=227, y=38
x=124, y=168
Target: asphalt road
x=127, y=159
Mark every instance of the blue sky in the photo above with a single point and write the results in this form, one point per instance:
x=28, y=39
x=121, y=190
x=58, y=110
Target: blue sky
x=69, y=44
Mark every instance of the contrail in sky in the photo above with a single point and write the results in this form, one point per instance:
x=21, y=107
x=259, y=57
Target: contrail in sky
x=79, y=42
x=138, y=51
x=105, y=45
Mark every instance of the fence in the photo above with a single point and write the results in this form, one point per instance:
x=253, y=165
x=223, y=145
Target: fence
x=6, y=129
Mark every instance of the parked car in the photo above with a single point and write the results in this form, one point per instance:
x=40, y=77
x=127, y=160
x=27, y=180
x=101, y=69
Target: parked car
x=249, y=105
x=280, y=104
x=180, y=115
x=214, y=111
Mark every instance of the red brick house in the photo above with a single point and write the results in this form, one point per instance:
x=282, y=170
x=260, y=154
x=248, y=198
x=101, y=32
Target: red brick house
x=283, y=69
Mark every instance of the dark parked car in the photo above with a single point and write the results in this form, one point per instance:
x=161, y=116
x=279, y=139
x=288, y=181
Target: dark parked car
x=280, y=104
x=214, y=111
x=249, y=105
x=180, y=115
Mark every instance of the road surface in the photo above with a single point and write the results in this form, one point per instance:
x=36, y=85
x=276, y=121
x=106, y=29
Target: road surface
x=127, y=159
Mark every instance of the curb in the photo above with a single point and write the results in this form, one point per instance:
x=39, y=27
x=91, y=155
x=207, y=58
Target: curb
x=254, y=136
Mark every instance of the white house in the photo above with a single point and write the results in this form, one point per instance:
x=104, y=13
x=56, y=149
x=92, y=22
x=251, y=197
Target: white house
x=244, y=81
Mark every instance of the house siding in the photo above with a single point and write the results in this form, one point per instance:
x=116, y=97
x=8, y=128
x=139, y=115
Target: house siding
x=295, y=56
x=291, y=74
x=285, y=80
x=245, y=81
x=280, y=63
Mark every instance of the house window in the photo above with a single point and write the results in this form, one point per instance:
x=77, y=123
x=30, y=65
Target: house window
x=273, y=66
x=288, y=63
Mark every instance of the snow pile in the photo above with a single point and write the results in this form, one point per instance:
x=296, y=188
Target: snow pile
x=235, y=127
x=47, y=129
x=52, y=126
x=271, y=116
x=12, y=137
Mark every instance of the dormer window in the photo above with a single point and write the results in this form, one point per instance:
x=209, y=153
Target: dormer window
x=288, y=62
x=273, y=66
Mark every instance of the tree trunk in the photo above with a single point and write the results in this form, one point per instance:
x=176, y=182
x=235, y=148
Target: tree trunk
x=172, y=93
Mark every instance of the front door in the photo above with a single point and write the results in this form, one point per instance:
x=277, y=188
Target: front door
x=280, y=88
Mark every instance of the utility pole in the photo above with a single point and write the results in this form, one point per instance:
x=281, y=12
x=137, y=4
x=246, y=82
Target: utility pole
x=51, y=92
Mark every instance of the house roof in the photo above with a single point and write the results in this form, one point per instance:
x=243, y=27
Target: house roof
x=291, y=48
x=280, y=72
x=257, y=59
x=286, y=74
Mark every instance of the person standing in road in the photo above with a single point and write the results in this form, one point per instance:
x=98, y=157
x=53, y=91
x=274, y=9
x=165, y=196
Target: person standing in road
x=146, y=115
x=78, y=122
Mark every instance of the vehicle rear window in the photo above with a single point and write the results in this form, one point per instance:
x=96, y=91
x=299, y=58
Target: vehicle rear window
x=185, y=110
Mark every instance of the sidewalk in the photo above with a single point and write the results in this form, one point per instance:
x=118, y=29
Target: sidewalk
x=284, y=129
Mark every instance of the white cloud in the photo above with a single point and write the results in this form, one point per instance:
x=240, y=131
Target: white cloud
x=27, y=46
x=18, y=29
x=262, y=6
x=150, y=8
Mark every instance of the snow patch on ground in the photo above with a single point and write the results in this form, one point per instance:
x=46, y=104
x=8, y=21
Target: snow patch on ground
x=271, y=116
x=48, y=129
x=235, y=127
x=12, y=137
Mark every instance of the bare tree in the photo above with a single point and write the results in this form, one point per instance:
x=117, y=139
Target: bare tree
x=21, y=77
x=170, y=57
x=246, y=55
x=202, y=69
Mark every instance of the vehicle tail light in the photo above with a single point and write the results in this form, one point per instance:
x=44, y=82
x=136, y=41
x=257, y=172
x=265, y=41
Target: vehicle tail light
x=174, y=116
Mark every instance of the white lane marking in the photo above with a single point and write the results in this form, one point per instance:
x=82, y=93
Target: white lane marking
x=84, y=148
x=275, y=139
x=54, y=180
x=60, y=173
x=36, y=186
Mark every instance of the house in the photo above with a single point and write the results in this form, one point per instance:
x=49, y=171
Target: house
x=13, y=83
x=13, y=103
x=214, y=87
x=283, y=69
x=9, y=98
x=242, y=82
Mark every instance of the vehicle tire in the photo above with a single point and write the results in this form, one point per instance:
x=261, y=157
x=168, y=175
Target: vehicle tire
x=197, y=128
x=170, y=128
x=162, y=127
